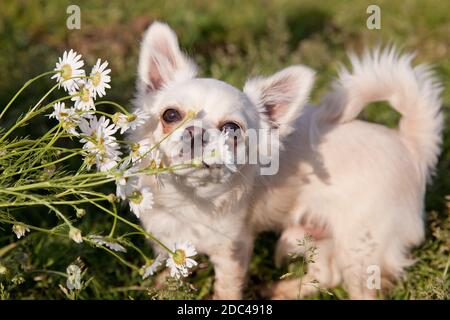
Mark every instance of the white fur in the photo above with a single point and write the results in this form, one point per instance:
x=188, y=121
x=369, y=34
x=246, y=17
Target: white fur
x=413, y=92
x=158, y=44
x=286, y=90
x=358, y=187
x=363, y=181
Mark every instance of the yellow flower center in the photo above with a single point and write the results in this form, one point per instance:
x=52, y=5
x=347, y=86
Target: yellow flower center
x=135, y=147
x=66, y=72
x=90, y=159
x=84, y=94
x=96, y=78
x=136, y=197
x=67, y=125
x=131, y=117
x=179, y=257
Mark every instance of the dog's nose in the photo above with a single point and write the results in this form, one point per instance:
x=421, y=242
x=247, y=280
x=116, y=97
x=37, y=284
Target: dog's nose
x=196, y=134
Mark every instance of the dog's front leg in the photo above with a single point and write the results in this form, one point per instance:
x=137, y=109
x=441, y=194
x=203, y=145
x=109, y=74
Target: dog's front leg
x=230, y=267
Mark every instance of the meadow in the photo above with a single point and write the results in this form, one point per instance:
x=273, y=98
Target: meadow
x=230, y=40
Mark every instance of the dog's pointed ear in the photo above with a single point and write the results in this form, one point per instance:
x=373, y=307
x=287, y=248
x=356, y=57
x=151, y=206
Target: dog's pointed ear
x=281, y=97
x=161, y=60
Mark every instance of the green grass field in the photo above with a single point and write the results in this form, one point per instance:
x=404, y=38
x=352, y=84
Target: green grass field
x=230, y=40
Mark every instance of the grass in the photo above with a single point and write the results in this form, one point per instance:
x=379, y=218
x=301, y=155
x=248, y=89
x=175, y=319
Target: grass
x=230, y=40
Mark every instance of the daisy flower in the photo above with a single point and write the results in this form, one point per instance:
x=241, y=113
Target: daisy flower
x=219, y=153
x=98, y=139
x=180, y=262
x=20, y=230
x=140, y=201
x=155, y=160
x=102, y=241
x=66, y=116
x=90, y=160
x=134, y=120
x=99, y=79
x=97, y=128
x=124, y=183
x=149, y=270
x=69, y=70
x=141, y=149
x=83, y=97
x=60, y=112
x=108, y=161
x=123, y=189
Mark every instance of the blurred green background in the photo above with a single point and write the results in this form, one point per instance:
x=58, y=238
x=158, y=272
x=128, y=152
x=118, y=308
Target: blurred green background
x=230, y=40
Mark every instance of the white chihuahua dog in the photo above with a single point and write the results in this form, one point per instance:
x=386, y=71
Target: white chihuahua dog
x=356, y=187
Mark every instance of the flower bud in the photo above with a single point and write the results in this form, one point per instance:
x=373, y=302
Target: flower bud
x=112, y=198
x=75, y=235
x=80, y=212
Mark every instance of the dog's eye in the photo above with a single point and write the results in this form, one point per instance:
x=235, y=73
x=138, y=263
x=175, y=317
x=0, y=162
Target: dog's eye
x=171, y=115
x=230, y=126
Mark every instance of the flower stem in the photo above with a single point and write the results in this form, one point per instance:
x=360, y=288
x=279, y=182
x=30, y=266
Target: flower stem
x=23, y=88
x=30, y=114
x=29, y=203
x=113, y=228
x=118, y=106
x=39, y=201
x=148, y=235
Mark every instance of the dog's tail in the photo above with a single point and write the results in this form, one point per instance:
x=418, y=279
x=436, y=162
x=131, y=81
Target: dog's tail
x=385, y=75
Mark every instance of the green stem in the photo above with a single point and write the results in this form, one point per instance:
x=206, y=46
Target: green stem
x=93, y=184
x=148, y=235
x=53, y=184
x=118, y=106
x=63, y=150
x=45, y=203
x=134, y=233
x=30, y=114
x=49, y=231
x=139, y=251
x=103, y=113
x=131, y=266
x=68, y=202
x=43, y=166
x=59, y=273
x=33, y=148
x=165, y=137
x=23, y=88
x=113, y=228
x=67, y=236
x=7, y=248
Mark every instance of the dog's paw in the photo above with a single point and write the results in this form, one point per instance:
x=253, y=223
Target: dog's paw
x=290, y=289
x=288, y=244
x=281, y=290
x=227, y=295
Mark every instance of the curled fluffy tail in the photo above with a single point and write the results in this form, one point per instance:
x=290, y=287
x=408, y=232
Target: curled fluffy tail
x=385, y=75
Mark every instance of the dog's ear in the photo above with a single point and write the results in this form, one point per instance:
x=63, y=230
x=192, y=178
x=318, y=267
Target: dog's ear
x=281, y=97
x=161, y=60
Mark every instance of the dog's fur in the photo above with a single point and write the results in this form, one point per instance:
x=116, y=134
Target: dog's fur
x=357, y=187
